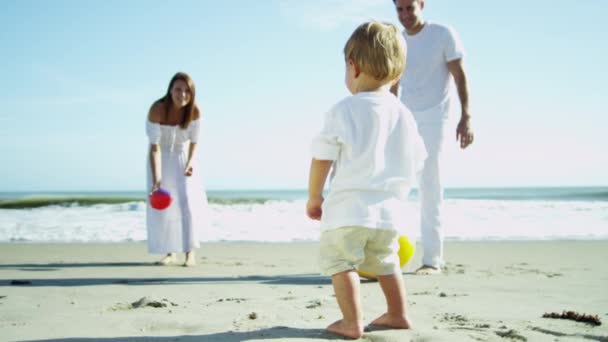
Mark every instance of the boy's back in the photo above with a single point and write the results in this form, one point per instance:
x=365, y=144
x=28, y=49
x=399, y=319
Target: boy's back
x=378, y=156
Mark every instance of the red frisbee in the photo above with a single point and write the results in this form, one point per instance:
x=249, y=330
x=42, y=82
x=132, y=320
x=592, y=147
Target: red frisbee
x=160, y=199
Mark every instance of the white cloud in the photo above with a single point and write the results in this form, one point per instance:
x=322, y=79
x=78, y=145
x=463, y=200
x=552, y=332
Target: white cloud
x=327, y=15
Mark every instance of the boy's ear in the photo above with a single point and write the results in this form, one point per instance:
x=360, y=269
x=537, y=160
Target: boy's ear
x=355, y=67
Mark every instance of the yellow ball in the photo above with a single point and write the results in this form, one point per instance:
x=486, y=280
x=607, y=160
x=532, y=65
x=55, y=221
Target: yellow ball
x=406, y=252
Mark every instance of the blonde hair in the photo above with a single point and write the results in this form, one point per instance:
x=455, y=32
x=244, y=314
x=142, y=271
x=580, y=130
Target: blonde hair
x=377, y=49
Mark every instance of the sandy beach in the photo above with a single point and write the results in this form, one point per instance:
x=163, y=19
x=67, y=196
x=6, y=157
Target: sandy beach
x=490, y=291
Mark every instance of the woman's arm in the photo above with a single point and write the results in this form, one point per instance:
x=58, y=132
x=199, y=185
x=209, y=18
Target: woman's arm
x=154, y=116
x=193, y=141
x=155, y=166
x=191, y=153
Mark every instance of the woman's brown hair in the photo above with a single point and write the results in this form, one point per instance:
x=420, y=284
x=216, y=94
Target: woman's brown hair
x=168, y=100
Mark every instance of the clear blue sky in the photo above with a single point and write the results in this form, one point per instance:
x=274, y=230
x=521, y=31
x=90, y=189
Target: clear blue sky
x=78, y=77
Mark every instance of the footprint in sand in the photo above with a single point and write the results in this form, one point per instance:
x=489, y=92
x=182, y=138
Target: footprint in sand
x=511, y=334
x=443, y=295
x=423, y=293
x=528, y=270
x=146, y=301
x=236, y=300
x=314, y=304
x=143, y=302
x=453, y=318
x=477, y=330
x=454, y=268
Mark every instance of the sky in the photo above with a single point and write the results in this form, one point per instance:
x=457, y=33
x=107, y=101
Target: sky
x=78, y=77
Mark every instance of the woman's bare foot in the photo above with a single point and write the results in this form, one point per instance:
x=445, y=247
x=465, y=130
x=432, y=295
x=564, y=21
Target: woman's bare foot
x=340, y=328
x=190, y=260
x=394, y=322
x=167, y=260
x=428, y=270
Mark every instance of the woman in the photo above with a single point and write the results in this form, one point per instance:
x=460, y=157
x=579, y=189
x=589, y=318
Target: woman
x=173, y=129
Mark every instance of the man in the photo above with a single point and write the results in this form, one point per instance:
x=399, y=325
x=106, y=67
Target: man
x=434, y=58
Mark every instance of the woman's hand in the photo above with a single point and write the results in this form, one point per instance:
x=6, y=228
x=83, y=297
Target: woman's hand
x=155, y=186
x=188, y=171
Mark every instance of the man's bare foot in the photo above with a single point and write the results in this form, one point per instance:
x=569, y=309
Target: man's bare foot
x=394, y=322
x=190, y=260
x=167, y=260
x=340, y=328
x=428, y=270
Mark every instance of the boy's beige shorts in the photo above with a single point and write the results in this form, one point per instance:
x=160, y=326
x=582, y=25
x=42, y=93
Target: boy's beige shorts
x=373, y=251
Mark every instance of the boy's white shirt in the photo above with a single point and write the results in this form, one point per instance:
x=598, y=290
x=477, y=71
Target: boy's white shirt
x=377, y=152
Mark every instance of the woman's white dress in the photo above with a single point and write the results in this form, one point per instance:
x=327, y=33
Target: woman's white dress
x=176, y=228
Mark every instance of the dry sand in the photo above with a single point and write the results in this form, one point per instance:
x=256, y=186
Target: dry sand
x=491, y=291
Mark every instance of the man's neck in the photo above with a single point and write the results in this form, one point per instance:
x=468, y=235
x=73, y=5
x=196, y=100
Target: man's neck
x=417, y=28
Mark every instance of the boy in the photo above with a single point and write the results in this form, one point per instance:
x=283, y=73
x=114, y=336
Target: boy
x=371, y=140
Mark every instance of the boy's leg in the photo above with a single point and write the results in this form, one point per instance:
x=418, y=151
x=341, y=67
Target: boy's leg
x=381, y=258
x=394, y=291
x=346, y=286
x=340, y=251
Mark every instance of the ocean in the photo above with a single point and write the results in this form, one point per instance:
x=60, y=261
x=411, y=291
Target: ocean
x=529, y=213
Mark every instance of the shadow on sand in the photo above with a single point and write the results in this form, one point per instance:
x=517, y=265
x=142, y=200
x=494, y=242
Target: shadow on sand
x=296, y=279
x=230, y=336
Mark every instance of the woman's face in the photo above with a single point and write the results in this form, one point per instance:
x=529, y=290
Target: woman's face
x=180, y=93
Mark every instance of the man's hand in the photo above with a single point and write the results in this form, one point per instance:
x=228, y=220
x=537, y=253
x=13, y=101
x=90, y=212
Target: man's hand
x=464, y=132
x=313, y=208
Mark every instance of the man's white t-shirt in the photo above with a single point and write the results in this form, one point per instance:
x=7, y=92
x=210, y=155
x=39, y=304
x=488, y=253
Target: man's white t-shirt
x=374, y=141
x=425, y=84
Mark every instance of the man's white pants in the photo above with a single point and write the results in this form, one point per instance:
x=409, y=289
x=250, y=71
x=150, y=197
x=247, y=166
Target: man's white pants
x=430, y=193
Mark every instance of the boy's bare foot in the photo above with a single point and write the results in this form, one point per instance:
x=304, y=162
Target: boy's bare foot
x=398, y=322
x=428, y=270
x=167, y=260
x=340, y=328
x=190, y=260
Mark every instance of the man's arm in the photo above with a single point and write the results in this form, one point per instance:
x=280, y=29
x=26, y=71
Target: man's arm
x=464, y=132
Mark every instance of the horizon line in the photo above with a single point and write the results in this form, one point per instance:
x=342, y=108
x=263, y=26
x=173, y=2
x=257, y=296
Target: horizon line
x=304, y=189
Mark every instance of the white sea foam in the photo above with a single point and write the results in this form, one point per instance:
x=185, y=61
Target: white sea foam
x=286, y=221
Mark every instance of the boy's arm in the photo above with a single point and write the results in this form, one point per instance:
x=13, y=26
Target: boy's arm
x=319, y=169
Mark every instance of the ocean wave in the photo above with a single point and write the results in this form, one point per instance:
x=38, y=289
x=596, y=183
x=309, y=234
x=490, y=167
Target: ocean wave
x=38, y=202
x=286, y=221
x=228, y=197
x=558, y=194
